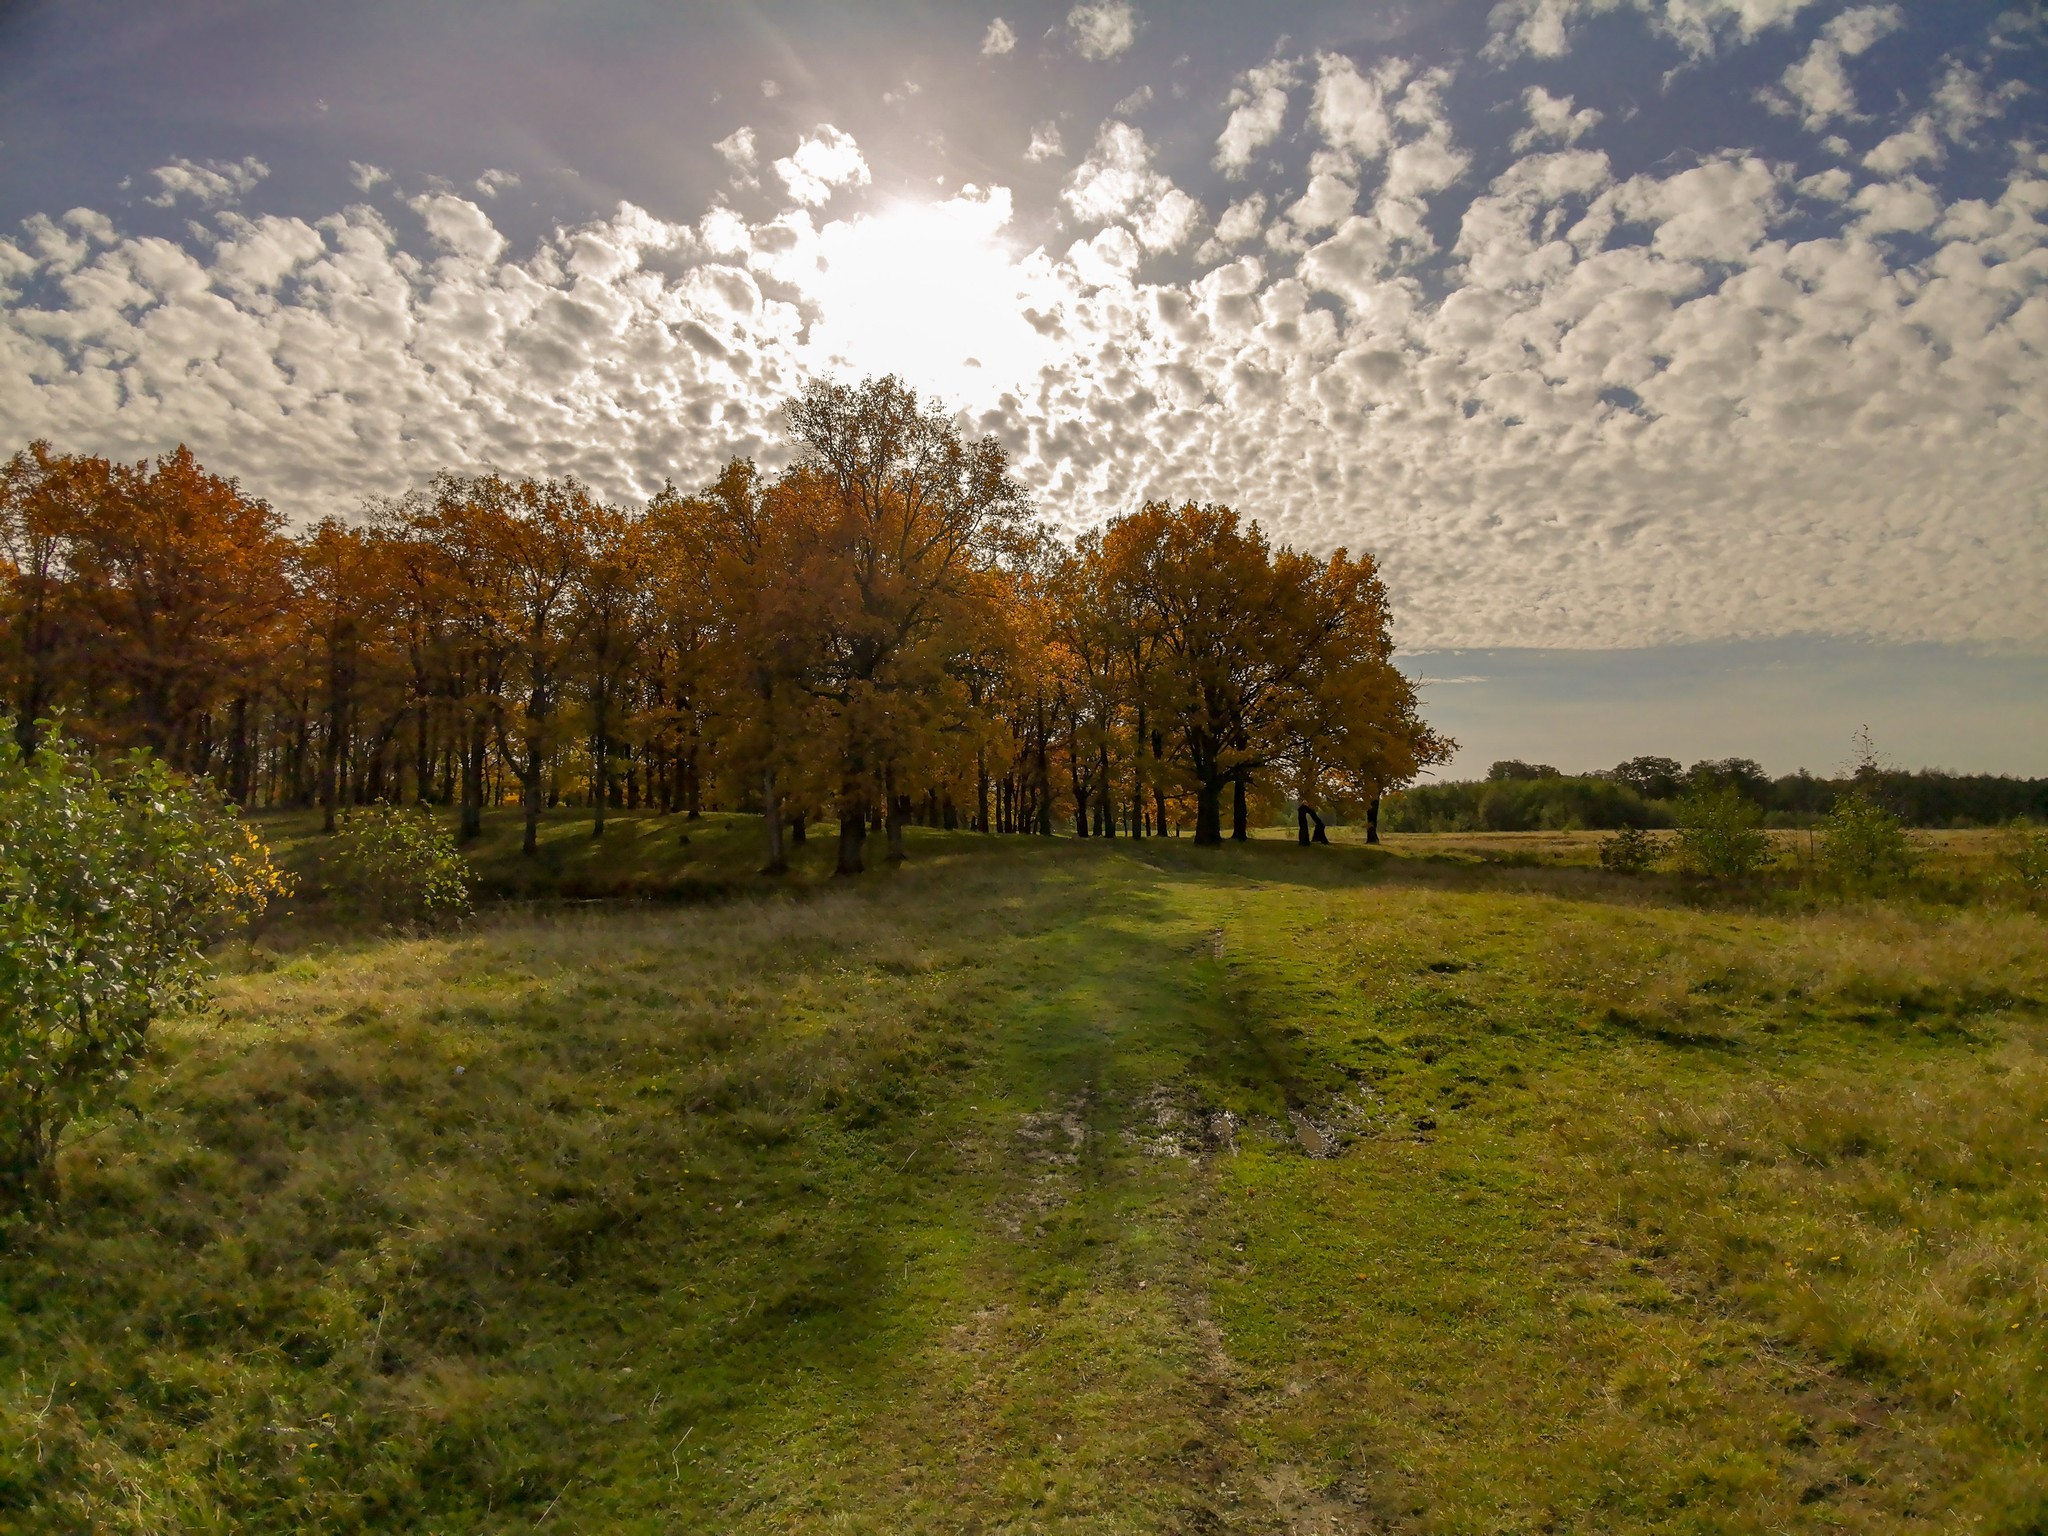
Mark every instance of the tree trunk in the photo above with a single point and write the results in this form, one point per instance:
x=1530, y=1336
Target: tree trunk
x=853, y=831
x=28, y=1166
x=771, y=817
x=796, y=827
x=600, y=770
x=1239, y=821
x=1301, y=824
x=473, y=780
x=1372, y=819
x=896, y=805
x=529, y=794
x=1209, y=812
x=238, y=751
x=1158, y=787
x=330, y=759
x=1106, y=801
x=422, y=756
x=1138, y=775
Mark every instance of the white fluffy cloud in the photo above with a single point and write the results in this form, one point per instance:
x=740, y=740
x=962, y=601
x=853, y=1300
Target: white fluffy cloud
x=1722, y=398
x=1102, y=29
x=1552, y=118
x=738, y=150
x=207, y=182
x=1817, y=88
x=825, y=160
x=998, y=39
x=1258, y=109
x=1544, y=27
x=1117, y=182
x=1045, y=143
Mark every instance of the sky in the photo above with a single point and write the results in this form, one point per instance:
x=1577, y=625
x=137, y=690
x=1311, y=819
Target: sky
x=1683, y=362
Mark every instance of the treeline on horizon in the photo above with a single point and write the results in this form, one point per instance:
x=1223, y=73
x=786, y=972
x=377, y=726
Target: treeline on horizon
x=1645, y=792
x=883, y=633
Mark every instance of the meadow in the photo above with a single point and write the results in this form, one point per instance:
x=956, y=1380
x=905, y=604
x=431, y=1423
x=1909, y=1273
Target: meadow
x=1452, y=1185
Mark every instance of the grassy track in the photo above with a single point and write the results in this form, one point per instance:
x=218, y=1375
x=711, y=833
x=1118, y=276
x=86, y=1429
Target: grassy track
x=1066, y=1187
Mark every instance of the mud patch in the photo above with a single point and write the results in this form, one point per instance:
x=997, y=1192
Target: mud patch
x=1170, y=1122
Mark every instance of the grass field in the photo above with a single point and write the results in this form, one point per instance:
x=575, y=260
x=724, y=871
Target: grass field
x=1063, y=1187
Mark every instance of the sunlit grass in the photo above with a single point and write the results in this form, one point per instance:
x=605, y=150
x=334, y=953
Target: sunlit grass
x=1071, y=1187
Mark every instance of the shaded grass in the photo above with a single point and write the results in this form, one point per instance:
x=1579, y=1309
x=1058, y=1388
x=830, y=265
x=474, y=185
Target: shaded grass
x=1063, y=1187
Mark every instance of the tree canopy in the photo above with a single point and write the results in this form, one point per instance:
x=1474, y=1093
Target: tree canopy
x=881, y=633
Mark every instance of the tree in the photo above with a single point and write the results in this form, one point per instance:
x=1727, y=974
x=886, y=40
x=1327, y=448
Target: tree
x=457, y=531
x=43, y=496
x=1654, y=778
x=112, y=882
x=1514, y=770
x=1356, y=731
x=1265, y=657
x=341, y=586
x=911, y=510
x=1863, y=845
x=773, y=585
x=179, y=578
x=614, y=613
x=1740, y=774
x=1720, y=834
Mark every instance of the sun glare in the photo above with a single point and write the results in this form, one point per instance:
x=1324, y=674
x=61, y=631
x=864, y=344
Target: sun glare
x=933, y=293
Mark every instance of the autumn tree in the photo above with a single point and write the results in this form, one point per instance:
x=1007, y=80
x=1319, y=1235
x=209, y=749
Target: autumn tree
x=341, y=582
x=457, y=533
x=613, y=615
x=43, y=497
x=176, y=579
x=1353, y=732
x=912, y=509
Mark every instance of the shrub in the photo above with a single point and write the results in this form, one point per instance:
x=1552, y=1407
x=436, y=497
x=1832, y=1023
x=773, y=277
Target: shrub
x=1629, y=852
x=399, y=867
x=1863, y=845
x=1720, y=834
x=113, y=882
x=2025, y=857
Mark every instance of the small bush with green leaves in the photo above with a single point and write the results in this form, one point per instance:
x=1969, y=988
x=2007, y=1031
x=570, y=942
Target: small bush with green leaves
x=113, y=882
x=1629, y=852
x=1721, y=835
x=1863, y=846
x=2025, y=857
x=398, y=867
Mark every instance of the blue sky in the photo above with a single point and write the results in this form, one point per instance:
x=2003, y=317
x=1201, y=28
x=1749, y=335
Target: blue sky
x=1638, y=338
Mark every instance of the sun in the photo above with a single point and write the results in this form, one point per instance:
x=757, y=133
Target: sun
x=932, y=292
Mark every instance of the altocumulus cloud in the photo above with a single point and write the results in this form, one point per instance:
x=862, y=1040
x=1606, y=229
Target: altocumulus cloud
x=1566, y=404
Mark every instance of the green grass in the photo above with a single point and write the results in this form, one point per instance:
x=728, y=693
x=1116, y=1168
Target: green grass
x=1065, y=1187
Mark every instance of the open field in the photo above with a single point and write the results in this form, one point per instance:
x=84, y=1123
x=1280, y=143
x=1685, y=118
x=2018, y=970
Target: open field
x=1063, y=1187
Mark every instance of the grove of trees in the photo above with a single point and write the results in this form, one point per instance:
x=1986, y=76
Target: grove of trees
x=880, y=634
x=1648, y=792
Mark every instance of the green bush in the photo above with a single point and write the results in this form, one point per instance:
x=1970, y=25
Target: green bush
x=1863, y=846
x=113, y=882
x=398, y=867
x=2025, y=857
x=1629, y=852
x=1721, y=835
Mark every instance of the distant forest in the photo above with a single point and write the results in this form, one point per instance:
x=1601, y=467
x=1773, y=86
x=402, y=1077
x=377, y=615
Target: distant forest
x=1644, y=791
